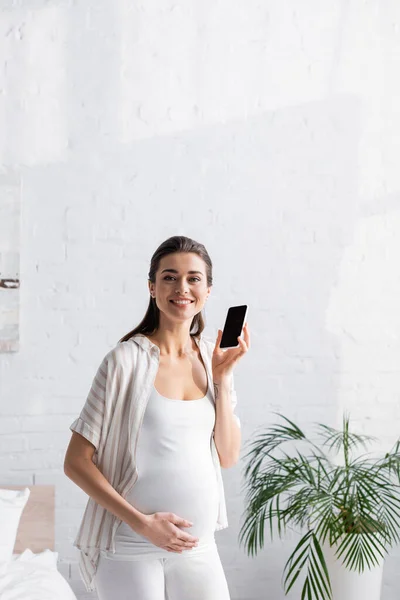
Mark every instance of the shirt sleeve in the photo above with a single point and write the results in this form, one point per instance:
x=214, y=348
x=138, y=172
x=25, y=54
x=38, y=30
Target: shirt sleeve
x=90, y=421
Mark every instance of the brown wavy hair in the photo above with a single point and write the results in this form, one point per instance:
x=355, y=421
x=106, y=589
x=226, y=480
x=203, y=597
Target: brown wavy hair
x=177, y=243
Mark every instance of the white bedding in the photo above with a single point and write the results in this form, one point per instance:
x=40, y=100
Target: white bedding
x=30, y=576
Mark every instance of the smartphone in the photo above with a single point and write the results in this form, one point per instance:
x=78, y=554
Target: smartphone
x=235, y=319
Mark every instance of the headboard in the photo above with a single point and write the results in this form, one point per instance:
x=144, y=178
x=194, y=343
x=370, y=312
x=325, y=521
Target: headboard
x=36, y=527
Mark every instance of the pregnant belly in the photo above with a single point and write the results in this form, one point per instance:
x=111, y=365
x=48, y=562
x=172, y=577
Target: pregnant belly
x=190, y=495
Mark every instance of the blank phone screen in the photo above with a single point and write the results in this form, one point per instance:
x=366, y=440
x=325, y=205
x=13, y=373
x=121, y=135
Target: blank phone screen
x=233, y=326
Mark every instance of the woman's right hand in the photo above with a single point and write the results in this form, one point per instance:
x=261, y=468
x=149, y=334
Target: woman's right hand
x=162, y=529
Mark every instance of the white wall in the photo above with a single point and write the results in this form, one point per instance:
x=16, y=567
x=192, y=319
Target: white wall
x=268, y=131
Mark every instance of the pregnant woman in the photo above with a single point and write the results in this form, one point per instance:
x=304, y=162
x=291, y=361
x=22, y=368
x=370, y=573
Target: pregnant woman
x=150, y=441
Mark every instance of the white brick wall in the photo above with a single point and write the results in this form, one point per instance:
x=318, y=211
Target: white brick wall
x=268, y=131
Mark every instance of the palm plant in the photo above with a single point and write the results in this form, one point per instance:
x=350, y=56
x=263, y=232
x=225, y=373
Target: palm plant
x=354, y=505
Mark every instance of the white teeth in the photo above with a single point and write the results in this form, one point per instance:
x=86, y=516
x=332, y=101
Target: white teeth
x=181, y=301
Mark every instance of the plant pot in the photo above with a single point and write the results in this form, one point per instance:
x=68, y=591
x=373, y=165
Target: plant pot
x=352, y=585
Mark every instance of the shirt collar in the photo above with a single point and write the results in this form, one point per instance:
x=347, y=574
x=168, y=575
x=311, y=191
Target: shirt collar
x=148, y=345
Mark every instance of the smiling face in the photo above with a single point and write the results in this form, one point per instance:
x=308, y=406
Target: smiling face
x=180, y=275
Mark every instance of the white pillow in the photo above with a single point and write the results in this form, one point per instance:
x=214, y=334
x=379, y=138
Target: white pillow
x=46, y=558
x=12, y=503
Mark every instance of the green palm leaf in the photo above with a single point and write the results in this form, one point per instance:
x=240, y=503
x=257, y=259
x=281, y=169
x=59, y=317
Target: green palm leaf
x=308, y=554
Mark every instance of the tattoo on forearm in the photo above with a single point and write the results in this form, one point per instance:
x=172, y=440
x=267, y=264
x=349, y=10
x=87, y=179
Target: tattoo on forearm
x=216, y=390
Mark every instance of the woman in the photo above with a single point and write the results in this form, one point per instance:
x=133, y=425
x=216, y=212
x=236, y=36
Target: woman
x=156, y=499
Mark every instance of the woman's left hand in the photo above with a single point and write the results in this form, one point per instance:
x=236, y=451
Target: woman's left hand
x=223, y=360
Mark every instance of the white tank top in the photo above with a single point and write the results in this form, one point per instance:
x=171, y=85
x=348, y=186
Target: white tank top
x=175, y=473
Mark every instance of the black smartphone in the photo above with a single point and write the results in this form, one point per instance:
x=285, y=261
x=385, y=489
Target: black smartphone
x=235, y=319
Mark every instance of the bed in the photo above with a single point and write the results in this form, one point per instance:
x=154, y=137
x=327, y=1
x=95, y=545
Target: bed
x=28, y=563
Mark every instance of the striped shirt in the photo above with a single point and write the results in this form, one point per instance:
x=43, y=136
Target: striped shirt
x=111, y=419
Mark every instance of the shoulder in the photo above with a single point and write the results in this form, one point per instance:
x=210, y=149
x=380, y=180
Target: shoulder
x=121, y=356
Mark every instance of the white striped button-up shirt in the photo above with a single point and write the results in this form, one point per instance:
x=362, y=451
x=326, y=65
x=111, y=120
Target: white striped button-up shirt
x=111, y=419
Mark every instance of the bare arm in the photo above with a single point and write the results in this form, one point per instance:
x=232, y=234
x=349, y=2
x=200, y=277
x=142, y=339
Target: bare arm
x=227, y=433
x=79, y=467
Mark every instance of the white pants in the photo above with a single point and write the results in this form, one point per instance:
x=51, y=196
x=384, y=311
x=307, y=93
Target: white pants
x=178, y=577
